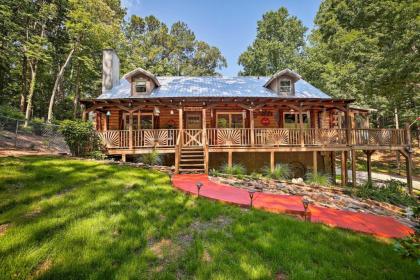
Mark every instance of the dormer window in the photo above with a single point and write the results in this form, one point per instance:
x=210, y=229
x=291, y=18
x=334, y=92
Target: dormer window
x=285, y=86
x=140, y=86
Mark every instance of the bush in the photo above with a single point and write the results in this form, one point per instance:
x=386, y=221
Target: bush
x=280, y=172
x=153, y=158
x=392, y=192
x=80, y=137
x=11, y=112
x=409, y=247
x=318, y=179
x=235, y=169
x=98, y=155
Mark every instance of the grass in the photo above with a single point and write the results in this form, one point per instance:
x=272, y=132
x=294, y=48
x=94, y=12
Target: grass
x=71, y=219
x=280, y=172
x=318, y=179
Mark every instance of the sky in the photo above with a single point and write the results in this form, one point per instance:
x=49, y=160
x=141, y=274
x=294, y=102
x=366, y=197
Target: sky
x=229, y=25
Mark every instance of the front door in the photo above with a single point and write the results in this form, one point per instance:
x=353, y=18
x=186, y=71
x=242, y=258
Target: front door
x=193, y=120
x=193, y=129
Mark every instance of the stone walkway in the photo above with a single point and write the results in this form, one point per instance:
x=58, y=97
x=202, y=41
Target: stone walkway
x=380, y=226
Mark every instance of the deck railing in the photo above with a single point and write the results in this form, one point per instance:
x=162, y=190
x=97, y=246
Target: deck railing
x=259, y=137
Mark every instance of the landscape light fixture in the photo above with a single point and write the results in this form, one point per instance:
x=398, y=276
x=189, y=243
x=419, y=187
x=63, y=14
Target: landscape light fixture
x=198, y=185
x=251, y=196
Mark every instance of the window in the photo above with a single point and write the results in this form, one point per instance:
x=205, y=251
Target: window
x=285, y=86
x=140, y=86
x=140, y=121
x=291, y=120
x=230, y=120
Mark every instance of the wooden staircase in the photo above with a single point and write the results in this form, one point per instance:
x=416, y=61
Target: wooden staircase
x=192, y=160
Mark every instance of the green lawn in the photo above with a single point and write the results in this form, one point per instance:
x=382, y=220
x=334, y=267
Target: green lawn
x=73, y=219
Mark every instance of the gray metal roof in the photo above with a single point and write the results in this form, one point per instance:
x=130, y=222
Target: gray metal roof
x=173, y=87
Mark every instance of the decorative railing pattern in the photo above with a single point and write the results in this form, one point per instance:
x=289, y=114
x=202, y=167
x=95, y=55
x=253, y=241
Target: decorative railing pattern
x=259, y=137
x=229, y=136
x=192, y=137
x=378, y=137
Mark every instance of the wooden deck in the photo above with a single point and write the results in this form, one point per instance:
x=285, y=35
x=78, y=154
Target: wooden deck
x=256, y=139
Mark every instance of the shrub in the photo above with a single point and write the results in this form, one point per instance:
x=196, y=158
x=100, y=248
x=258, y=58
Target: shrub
x=80, y=137
x=280, y=172
x=409, y=247
x=392, y=192
x=11, y=112
x=214, y=172
x=98, y=155
x=153, y=158
x=318, y=179
x=235, y=169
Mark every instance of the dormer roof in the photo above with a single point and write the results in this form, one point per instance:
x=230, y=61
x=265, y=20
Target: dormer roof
x=140, y=70
x=284, y=72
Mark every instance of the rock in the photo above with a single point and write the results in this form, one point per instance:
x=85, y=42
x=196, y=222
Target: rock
x=279, y=186
x=297, y=181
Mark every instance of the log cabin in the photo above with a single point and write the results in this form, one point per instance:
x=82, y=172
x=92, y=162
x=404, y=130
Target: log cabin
x=204, y=122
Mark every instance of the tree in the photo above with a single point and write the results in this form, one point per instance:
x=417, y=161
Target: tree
x=150, y=44
x=278, y=45
x=367, y=50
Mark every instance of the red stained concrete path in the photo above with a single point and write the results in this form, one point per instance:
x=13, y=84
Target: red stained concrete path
x=367, y=223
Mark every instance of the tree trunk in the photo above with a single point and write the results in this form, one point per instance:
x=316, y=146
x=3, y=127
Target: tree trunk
x=76, y=92
x=33, y=66
x=23, y=89
x=57, y=80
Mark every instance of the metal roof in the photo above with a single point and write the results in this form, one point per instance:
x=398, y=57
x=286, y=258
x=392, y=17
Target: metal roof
x=173, y=87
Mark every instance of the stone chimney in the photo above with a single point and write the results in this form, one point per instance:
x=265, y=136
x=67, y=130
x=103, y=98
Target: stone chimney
x=110, y=69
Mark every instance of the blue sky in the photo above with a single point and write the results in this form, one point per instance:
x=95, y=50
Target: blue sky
x=229, y=25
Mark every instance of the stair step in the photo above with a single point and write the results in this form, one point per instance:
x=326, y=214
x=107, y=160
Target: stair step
x=192, y=156
x=192, y=152
x=191, y=164
x=185, y=160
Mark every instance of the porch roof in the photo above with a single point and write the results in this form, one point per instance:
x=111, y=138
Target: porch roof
x=229, y=87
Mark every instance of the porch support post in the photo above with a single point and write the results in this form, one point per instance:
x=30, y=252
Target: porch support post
x=181, y=124
x=302, y=139
x=123, y=158
x=130, y=130
x=343, y=168
x=272, y=164
x=206, y=154
x=84, y=114
x=315, y=162
x=333, y=173
x=408, y=159
x=251, y=126
x=230, y=159
x=348, y=125
x=353, y=168
x=369, y=164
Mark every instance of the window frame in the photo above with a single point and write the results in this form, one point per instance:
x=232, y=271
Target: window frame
x=290, y=86
x=140, y=80
x=137, y=115
x=230, y=113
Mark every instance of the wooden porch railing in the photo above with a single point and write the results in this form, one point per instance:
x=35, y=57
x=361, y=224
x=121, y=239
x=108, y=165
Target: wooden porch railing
x=262, y=137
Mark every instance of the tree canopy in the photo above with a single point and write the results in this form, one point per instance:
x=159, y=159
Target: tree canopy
x=51, y=52
x=278, y=45
x=366, y=50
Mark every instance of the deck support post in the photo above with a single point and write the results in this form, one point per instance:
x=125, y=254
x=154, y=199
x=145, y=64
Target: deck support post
x=343, y=168
x=315, y=162
x=251, y=126
x=333, y=173
x=353, y=168
x=130, y=130
x=302, y=139
x=272, y=163
x=369, y=164
x=230, y=159
x=123, y=158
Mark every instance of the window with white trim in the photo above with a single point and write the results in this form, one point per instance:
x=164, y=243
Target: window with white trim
x=140, y=86
x=285, y=86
